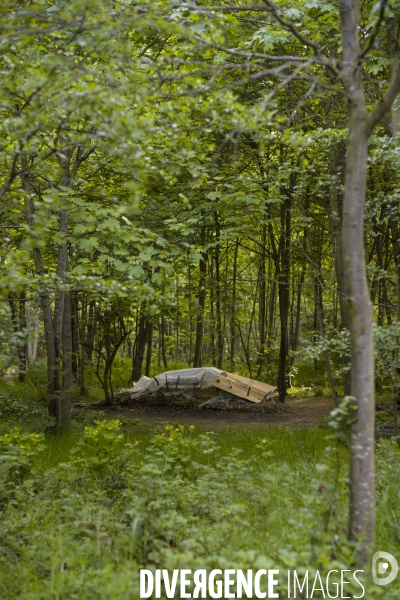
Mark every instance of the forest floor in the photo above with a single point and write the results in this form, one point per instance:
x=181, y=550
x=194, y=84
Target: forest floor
x=304, y=412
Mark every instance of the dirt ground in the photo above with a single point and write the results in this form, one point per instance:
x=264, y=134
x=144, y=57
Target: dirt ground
x=296, y=413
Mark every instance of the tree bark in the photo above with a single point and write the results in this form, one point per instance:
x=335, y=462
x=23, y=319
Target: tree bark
x=22, y=347
x=33, y=341
x=140, y=348
x=75, y=336
x=218, y=308
x=163, y=352
x=200, y=311
x=361, y=123
x=298, y=311
x=262, y=300
x=64, y=416
x=359, y=308
x=284, y=295
x=18, y=317
x=360, y=313
x=232, y=324
x=149, y=349
x=271, y=321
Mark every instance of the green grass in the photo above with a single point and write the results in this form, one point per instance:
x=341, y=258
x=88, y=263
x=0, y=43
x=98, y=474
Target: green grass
x=80, y=524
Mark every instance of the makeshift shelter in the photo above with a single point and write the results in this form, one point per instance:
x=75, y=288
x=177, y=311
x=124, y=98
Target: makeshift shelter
x=206, y=382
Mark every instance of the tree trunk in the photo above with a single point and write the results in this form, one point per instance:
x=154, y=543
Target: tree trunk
x=395, y=235
x=284, y=296
x=262, y=301
x=64, y=416
x=140, y=348
x=298, y=311
x=149, y=349
x=271, y=322
x=359, y=307
x=360, y=313
x=232, y=324
x=396, y=371
x=18, y=317
x=90, y=331
x=75, y=336
x=163, y=353
x=59, y=302
x=200, y=312
x=218, y=308
x=22, y=347
x=189, y=360
x=33, y=342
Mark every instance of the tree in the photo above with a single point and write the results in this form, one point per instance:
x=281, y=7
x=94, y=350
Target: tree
x=361, y=123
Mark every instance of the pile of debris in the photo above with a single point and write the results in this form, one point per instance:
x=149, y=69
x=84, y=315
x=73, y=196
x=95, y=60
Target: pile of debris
x=269, y=406
x=203, y=388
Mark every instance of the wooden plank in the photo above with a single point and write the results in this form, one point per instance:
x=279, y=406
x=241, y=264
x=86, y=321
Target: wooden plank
x=248, y=389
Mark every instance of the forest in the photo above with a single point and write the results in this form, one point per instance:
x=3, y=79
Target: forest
x=197, y=184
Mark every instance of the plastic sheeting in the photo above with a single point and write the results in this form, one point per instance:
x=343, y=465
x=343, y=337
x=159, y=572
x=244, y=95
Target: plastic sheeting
x=187, y=382
x=183, y=381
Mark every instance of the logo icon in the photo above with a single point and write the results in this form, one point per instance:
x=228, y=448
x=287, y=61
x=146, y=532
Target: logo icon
x=380, y=565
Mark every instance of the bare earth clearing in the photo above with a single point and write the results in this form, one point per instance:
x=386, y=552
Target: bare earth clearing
x=295, y=413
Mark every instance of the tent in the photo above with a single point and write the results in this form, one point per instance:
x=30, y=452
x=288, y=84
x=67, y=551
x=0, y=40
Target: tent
x=204, y=382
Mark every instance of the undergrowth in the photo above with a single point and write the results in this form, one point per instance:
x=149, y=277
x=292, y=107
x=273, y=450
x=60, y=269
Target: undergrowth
x=81, y=514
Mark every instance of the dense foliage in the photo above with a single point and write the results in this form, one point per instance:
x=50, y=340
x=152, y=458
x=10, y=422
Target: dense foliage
x=103, y=504
x=198, y=218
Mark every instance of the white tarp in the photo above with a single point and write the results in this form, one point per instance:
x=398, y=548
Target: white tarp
x=184, y=381
x=187, y=381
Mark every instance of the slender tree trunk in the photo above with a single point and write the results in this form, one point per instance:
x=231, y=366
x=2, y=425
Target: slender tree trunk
x=218, y=308
x=396, y=370
x=54, y=404
x=232, y=323
x=271, y=321
x=149, y=349
x=91, y=330
x=81, y=337
x=200, y=311
x=140, y=348
x=22, y=347
x=298, y=311
x=189, y=361
x=33, y=341
x=107, y=372
x=75, y=336
x=284, y=296
x=212, y=310
x=262, y=301
x=163, y=353
x=18, y=317
x=59, y=302
x=64, y=417
x=159, y=343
